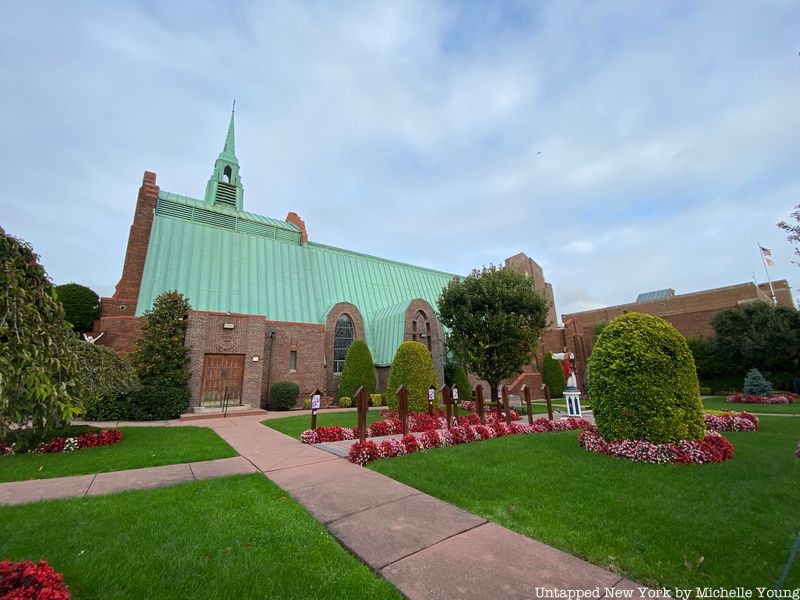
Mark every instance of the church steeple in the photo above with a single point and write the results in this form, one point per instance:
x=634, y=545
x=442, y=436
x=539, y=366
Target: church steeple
x=225, y=186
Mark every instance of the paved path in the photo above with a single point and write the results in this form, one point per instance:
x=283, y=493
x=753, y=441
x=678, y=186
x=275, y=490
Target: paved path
x=426, y=547
x=21, y=492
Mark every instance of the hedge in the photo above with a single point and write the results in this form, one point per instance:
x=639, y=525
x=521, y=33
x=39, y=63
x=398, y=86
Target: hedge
x=106, y=379
x=461, y=382
x=413, y=367
x=553, y=375
x=644, y=383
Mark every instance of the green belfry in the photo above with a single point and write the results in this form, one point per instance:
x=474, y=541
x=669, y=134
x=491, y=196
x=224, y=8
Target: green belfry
x=225, y=186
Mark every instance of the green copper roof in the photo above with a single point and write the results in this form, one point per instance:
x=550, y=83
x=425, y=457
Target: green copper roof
x=225, y=260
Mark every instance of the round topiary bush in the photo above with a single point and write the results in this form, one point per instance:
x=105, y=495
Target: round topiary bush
x=644, y=383
x=284, y=395
x=81, y=305
x=413, y=367
x=358, y=370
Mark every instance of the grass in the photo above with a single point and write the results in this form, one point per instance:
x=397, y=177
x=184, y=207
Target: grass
x=718, y=403
x=644, y=521
x=294, y=426
x=140, y=447
x=234, y=537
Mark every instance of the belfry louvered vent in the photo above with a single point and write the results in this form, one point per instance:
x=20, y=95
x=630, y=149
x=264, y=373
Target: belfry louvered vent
x=226, y=194
x=205, y=216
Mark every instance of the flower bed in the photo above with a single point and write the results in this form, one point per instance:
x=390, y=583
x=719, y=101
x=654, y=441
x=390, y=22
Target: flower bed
x=363, y=453
x=392, y=425
x=785, y=398
x=712, y=448
x=741, y=421
x=28, y=580
x=86, y=440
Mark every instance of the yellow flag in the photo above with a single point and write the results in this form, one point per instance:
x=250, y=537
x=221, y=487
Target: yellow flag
x=770, y=262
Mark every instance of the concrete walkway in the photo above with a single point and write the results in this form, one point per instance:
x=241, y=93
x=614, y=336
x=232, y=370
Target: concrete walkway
x=426, y=547
x=22, y=492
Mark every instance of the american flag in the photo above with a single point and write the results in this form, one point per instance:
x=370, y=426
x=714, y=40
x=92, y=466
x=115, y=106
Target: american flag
x=765, y=251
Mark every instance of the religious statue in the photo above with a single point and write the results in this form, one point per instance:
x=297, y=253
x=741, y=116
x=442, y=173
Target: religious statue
x=567, y=359
x=92, y=339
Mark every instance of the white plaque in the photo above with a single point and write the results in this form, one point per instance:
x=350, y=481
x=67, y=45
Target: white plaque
x=455, y=393
x=315, y=402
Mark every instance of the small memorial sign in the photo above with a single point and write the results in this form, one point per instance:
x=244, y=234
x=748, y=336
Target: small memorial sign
x=431, y=394
x=315, y=402
x=455, y=393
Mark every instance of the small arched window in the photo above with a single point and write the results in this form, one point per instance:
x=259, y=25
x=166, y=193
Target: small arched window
x=227, y=174
x=343, y=335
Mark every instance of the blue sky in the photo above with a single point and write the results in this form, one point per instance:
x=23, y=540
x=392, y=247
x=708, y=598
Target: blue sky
x=625, y=146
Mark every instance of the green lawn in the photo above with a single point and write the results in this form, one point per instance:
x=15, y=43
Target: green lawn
x=641, y=520
x=140, y=447
x=294, y=426
x=718, y=403
x=234, y=537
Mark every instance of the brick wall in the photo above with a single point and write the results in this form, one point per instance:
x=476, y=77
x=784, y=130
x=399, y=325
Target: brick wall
x=119, y=333
x=526, y=265
x=308, y=340
x=205, y=334
x=421, y=313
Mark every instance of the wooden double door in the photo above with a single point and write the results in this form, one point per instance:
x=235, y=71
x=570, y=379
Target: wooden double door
x=221, y=372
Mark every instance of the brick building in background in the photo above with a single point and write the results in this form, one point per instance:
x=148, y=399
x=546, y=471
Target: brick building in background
x=689, y=313
x=269, y=305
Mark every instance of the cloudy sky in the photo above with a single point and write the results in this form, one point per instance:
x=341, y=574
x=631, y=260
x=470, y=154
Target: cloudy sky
x=625, y=146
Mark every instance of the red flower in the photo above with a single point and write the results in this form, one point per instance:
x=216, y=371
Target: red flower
x=29, y=581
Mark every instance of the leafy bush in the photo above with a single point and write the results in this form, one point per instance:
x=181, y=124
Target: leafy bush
x=345, y=401
x=644, y=383
x=284, y=395
x=705, y=390
x=755, y=384
x=151, y=403
x=23, y=580
x=107, y=379
x=81, y=305
x=553, y=375
x=38, y=364
x=307, y=403
x=358, y=370
x=375, y=399
x=412, y=367
x=461, y=381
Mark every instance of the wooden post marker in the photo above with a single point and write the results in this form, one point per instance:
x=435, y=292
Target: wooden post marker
x=479, y=400
x=527, y=394
x=315, y=400
x=505, y=404
x=546, y=389
x=445, y=391
x=454, y=398
x=431, y=398
x=402, y=406
x=362, y=397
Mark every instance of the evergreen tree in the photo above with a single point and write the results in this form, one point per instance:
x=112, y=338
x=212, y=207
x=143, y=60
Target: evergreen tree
x=755, y=384
x=461, y=382
x=413, y=367
x=553, y=375
x=358, y=370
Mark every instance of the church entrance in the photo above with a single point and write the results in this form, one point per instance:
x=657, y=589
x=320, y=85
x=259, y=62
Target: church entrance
x=221, y=373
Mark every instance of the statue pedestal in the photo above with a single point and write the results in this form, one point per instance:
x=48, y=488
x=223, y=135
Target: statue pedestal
x=573, y=397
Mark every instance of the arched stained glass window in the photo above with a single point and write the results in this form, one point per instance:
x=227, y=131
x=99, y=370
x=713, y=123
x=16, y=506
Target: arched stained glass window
x=343, y=336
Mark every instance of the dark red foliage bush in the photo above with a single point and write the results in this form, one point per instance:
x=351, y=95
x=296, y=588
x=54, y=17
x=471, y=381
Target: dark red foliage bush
x=30, y=581
x=411, y=443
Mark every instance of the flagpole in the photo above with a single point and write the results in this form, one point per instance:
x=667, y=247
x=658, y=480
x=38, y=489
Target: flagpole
x=764, y=260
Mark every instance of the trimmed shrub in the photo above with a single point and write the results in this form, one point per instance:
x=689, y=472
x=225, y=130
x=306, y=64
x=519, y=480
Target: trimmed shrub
x=644, y=383
x=755, y=384
x=307, y=403
x=553, y=375
x=413, y=367
x=284, y=395
x=155, y=403
x=358, y=370
x=107, y=379
x=345, y=401
x=375, y=399
x=81, y=305
x=461, y=381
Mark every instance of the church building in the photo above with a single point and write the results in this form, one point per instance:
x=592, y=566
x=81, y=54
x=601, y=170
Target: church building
x=269, y=304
